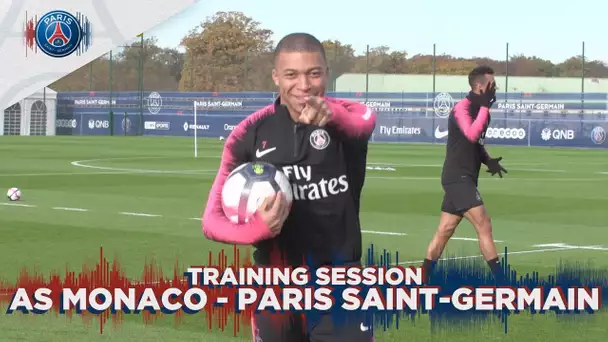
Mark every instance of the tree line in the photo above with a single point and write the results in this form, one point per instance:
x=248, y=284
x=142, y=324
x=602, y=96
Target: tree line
x=233, y=52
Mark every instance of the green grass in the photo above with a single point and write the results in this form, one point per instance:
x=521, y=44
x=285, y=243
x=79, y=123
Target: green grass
x=548, y=196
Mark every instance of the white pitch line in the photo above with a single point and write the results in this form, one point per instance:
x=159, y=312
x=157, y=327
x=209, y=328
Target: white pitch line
x=553, y=244
x=65, y=174
x=139, y=214
x=81, y=163
x=594, y=248
x=404, y=234
x=70, y=209
x=508, y=253
x=382, y=233
x=19, y=205
x=565, y=245
x=557, y=246
x=517, y=179
x=470, y=239
x=441, y=165
x=539, y=170
x=209, y=172
x=463, y=239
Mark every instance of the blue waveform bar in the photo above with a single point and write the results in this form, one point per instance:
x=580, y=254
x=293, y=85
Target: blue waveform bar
x=85, y=25
x=452, y=273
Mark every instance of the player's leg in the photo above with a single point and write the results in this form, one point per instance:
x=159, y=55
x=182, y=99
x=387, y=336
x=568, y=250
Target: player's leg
x=448, y=221
x=277, y=328
x=472, y=206
x=483, y=226
x=446, y=228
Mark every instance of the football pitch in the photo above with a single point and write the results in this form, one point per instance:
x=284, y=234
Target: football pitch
x=142, y=198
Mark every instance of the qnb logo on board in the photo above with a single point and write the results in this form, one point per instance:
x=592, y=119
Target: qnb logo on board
x=58, y=33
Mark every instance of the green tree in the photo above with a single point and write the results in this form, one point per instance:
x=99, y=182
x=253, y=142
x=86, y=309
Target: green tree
x=161, y=70
x=230, y=52
x=340, y=59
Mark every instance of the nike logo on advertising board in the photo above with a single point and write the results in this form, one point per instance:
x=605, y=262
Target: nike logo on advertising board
x=439, y=134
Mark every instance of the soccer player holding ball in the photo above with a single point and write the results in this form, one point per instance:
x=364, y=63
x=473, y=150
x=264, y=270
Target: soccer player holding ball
x=320, y=144
x=465, y=152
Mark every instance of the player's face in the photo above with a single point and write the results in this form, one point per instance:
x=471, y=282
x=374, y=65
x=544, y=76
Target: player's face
x=299, y=74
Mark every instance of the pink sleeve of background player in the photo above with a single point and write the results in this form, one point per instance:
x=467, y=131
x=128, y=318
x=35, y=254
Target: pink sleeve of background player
x=356, y=120
x=471, y=129
x=216, y=225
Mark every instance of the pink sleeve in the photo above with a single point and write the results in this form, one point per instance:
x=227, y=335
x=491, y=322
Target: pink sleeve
x=353, y=118
x=471, y=129
x=216, y=225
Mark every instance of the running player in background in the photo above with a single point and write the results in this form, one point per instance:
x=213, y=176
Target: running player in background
x=465, y=152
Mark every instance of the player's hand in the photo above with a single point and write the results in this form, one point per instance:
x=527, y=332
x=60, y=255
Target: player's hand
x=488, y=95
x=494, y=167
x=316, y=112
x=274, y=211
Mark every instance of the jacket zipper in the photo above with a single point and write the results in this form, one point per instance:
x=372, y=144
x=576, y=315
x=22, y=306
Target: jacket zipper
x=295, y=141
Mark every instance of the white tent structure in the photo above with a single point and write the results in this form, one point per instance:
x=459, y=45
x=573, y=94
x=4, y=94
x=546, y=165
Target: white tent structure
x=34, y=115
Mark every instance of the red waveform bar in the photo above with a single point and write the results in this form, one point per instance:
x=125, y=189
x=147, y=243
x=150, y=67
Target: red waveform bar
x=29, y=33
x=111, y=276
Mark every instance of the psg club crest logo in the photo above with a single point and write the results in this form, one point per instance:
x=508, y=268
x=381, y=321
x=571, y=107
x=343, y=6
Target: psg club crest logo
x=58, y=33
x=443, y=104
x=598, y=135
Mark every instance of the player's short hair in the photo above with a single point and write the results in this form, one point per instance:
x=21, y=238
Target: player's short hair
x=299, y=42
x=478, y=73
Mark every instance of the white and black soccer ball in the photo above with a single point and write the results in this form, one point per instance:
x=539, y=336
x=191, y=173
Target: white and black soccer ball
x=248, y=185
x=13, y=194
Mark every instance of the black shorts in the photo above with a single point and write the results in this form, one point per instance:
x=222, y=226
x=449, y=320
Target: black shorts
x=460, y=196
x=292, y=327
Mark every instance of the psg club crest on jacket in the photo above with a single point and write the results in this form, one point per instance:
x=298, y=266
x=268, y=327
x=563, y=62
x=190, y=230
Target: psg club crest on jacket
x=319, y=139
x=58, y=33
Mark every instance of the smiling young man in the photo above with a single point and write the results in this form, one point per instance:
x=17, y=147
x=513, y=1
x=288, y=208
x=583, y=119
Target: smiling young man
x=320, y=143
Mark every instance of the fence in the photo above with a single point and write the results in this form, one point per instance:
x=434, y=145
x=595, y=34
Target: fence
x=524, y=132
x=528, y=119
x=141, y=65
x=564, y=106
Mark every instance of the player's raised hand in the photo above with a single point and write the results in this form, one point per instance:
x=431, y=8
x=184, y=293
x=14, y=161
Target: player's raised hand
x=316, y=112
x=488, y=95
x=274, y=211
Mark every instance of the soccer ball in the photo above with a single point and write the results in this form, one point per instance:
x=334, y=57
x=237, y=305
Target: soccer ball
x=248, y=185
x=13, y=194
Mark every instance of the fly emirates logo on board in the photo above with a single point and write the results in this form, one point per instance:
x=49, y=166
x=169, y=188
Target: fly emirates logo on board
x=305, y=189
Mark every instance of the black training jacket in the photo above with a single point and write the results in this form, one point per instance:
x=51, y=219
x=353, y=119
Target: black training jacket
x=465, y=150
x=326, y=168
